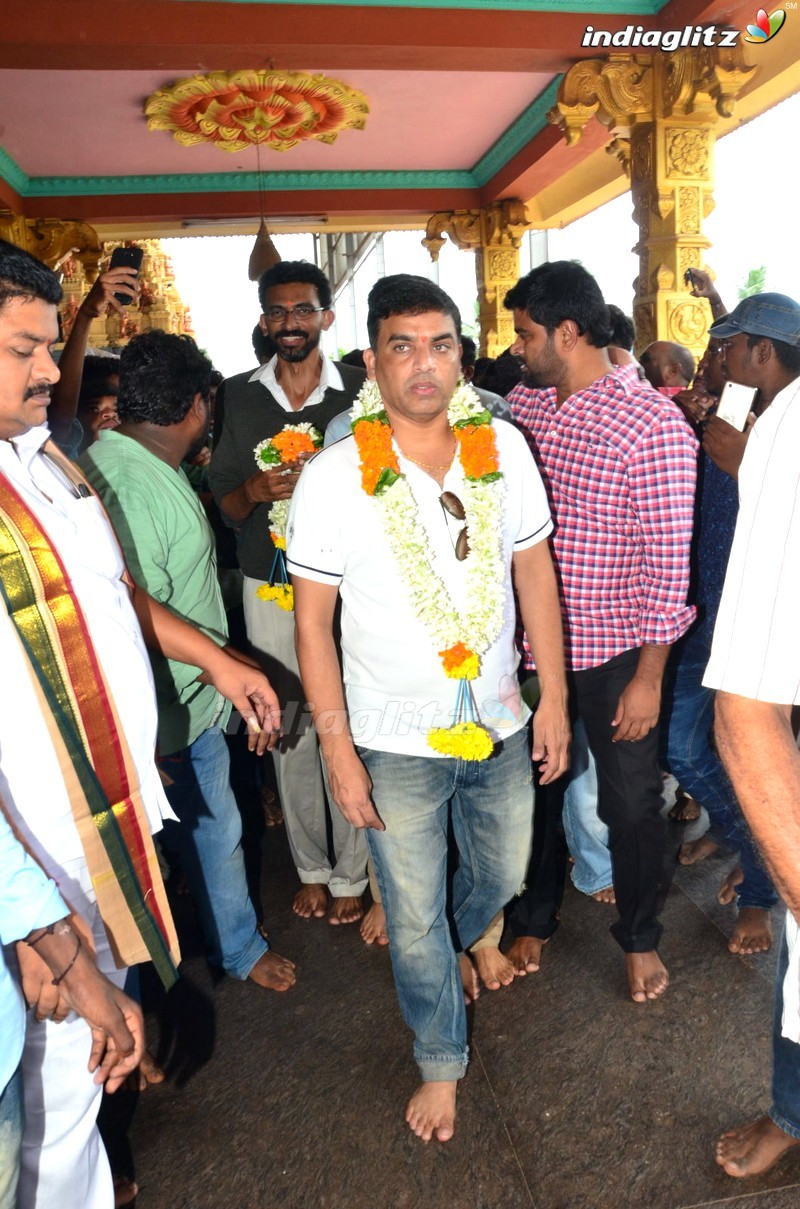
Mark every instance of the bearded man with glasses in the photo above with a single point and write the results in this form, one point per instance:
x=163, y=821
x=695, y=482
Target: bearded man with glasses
x=299, y=386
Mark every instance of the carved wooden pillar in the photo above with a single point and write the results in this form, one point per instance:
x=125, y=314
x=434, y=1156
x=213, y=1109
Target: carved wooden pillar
x=494, y=234
x=662, y=112
x=53, y=240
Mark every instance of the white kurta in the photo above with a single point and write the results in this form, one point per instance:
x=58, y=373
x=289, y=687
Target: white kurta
x=64, y=1163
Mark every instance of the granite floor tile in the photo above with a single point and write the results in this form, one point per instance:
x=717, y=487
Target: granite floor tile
x=773, y=1198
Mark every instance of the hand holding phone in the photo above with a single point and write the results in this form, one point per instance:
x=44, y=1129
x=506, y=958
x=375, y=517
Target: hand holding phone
x=736, y=403
x=128, y=258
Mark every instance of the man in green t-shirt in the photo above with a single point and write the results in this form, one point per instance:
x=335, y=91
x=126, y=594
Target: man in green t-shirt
x=168, y=544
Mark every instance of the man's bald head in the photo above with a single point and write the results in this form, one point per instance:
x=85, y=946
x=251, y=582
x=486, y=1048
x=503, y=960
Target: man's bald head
x=667, y=364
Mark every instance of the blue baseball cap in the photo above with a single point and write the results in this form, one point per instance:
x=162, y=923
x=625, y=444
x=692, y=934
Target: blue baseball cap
x=775, y=316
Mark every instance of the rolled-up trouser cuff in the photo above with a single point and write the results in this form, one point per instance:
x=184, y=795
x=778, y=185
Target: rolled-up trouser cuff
x=439, y=1070
x=792, y=1130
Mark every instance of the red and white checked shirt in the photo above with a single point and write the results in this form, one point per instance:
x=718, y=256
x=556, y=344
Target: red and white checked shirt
x=619, y=463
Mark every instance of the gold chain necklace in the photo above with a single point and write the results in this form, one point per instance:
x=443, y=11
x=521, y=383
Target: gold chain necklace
x=431, y=465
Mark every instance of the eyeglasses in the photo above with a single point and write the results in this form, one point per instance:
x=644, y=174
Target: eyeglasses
x=453, y=506
x=303, y=310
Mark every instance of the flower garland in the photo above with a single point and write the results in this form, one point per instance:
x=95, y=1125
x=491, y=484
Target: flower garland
x=285, y=446
x=461, y=639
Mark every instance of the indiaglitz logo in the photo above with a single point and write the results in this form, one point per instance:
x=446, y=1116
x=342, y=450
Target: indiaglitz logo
x=766, y=27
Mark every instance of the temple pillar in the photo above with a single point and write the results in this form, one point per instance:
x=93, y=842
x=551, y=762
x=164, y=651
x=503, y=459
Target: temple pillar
x=663, y=112
x=54, y=240
x=494, y=234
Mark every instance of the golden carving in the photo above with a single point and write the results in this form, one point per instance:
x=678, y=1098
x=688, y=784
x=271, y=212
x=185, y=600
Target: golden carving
x=661, y=111
x=689, y=204
x=159, y=305
x=687, y=323
x=494, y=234
x=277, y=109
x=53, y=240
x=687, y=152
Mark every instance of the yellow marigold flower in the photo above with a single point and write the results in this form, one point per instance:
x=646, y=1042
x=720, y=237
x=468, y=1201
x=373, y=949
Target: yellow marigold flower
x=478, y=450
x=280, y=594
x=278, y=542
x=460, y=663
x=464, y=741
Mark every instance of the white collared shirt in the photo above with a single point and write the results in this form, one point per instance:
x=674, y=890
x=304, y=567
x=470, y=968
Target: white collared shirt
x=31, y=784
x=329, y=378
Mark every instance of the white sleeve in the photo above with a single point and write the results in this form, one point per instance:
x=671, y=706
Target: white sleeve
x=313, y=532
x=526, y=499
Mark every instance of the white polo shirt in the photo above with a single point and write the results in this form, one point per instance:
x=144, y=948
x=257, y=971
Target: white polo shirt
x=395, y=686
x=756, y=647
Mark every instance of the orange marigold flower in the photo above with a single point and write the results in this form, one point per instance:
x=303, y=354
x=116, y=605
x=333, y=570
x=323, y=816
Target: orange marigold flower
x=374, y=441
x=478, y=450
x=291, y=444
x=454, y=656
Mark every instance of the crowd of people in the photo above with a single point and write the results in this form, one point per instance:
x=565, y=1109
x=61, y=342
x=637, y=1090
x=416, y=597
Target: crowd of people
x=486, y=606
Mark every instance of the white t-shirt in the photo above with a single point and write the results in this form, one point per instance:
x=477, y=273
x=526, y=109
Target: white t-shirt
x=756, y=647
x=395, y=686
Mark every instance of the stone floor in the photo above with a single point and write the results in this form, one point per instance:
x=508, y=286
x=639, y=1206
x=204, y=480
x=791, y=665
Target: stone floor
x=576, y=1098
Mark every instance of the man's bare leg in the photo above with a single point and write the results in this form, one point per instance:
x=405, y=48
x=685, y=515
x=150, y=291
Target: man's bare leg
x=647, y=976
x=752, y=932
x=311, y=900
x=753, y=1148
x=273, y=972
x=494, y=968
x=525, y=955
x=431, y=1111
x=695, y=851
x=347, y=910
x=469, y=980
x=727, y=891
x=373, y=926
x=605, y=896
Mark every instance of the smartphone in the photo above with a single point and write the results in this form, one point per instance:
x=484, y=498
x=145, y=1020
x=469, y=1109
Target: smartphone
x=688, y=278
x=736, y=403
x=127, y=258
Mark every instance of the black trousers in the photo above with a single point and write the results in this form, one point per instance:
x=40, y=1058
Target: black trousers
x=629, y=803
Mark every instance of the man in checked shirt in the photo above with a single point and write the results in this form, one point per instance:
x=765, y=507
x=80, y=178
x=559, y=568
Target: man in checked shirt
x=619, y=464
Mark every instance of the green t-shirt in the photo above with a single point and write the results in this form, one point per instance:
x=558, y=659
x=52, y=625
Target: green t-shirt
x=169, y=549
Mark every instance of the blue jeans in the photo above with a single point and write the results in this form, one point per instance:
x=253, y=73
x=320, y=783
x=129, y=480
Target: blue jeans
x=785, y=1110
x=11, y=1121
x=587, y=834
x=208, y=840
x=430, y=918
x=692, y=759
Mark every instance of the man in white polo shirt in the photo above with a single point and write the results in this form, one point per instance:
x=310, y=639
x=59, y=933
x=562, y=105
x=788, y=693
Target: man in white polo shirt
x=416, y=521
x=755, y=665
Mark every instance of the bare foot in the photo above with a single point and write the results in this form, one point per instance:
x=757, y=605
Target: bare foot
x=431, y=1111
x=373, y=926
x=753, y=1148
x=274, y=972
x=727, y=891
x=606, y=896
x=525, y=955
x=311, y=900
x=125, y=1191
x=347, y=910
x=494, y=968
x=685, y=810
x=273, y=815
x=149, y=1071
x=647, y=976
x=697, y=850
x=752, y=932
x=469, y=981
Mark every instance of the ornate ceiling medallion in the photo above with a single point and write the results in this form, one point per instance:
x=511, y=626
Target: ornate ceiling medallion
x=238, y=109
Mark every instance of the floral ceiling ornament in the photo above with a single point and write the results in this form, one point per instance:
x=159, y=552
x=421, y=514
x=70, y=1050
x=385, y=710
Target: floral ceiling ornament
x=239, y=109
